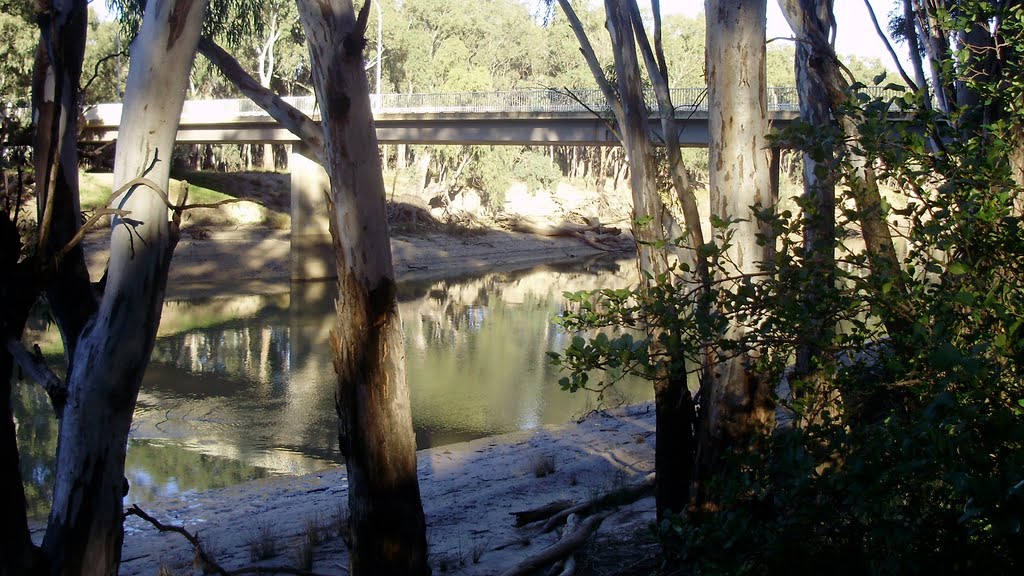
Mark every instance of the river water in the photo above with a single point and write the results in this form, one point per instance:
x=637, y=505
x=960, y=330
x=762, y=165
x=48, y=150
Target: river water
x=242, y=387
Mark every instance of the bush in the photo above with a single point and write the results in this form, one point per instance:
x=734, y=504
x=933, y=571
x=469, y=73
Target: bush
x=904, y=452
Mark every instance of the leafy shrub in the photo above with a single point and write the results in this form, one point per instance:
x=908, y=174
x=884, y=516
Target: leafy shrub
x=902, y=446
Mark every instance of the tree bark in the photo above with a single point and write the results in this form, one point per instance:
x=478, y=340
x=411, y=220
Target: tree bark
x=375, y=419
x=819, y=190
x=737, y=401
x=85, y=528
x=862, y=180
x=58, y=71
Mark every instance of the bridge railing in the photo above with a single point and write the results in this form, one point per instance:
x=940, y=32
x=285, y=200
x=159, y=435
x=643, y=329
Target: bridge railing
x=779, y=99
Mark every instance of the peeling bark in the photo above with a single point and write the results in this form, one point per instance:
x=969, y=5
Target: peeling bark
x=85, y=528
x=375, y=418
x=737, y=401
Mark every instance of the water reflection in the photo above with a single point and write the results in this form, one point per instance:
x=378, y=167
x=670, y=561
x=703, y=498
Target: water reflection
x=240, y=388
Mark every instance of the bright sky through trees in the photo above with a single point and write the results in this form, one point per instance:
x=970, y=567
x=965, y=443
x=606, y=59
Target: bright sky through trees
x=855, y=33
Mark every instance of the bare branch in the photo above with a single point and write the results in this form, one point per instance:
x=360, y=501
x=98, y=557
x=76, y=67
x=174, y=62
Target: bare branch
x=290, y=117
x=888, y=46
x=35, y=367
x=591, y=57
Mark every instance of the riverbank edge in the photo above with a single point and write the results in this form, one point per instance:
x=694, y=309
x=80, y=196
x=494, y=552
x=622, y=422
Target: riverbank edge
x=469, y=491
x=257, y=260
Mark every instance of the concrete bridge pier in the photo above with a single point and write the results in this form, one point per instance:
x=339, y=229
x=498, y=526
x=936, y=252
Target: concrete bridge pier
x=312, y=252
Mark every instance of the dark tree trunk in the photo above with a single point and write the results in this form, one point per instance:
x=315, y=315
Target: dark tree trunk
x=375, y=419
x=819, y=193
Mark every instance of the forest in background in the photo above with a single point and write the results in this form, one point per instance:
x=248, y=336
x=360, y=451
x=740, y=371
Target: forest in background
x=429, y=46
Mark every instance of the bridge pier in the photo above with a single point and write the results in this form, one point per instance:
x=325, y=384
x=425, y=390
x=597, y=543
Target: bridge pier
x=312, y=252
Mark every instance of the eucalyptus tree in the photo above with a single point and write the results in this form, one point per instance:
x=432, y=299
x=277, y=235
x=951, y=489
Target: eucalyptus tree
x=736, y=406
x=375, y=419
x=17, y=44
x=652, y=222
x=375, y=434
x=108, y=330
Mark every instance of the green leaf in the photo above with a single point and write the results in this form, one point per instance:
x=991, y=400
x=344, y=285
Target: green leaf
x=958, y=268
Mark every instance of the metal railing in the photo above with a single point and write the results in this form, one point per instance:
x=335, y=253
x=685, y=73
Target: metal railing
x=779, y=99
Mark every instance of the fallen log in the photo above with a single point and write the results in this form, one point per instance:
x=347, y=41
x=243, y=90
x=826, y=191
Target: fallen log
x=619, y=496
x=560, y=229
x=525, y=517
x=565, y=546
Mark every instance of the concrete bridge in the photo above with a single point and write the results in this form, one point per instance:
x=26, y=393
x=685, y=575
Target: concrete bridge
x=519, y=117
x=523, y=117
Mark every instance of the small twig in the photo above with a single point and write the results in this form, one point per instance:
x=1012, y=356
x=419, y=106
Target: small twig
x=96, y=68
x=89, y=225
x=567, y=92
x=134, y=510
x=193, y=539
x=35, y=366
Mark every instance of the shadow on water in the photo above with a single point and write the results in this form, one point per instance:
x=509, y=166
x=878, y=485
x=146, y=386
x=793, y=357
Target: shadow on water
x=242, y=387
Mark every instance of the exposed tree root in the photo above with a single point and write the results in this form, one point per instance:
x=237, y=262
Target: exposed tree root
x=556, y=513
x=525, y=517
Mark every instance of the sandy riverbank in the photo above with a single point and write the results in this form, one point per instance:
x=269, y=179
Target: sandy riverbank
x=468, y=492
x=256, y=260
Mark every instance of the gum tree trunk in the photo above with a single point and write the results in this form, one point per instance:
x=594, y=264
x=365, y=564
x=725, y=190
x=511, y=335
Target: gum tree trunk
x=85, y=528
x=736, y=405
x=375, y=418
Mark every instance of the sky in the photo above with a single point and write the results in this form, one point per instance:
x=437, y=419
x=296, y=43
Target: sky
x=855, y=34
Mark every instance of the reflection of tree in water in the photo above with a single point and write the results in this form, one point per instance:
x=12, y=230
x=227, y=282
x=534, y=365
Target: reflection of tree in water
x=37, y=441
x=228, y=398
x=250, y=352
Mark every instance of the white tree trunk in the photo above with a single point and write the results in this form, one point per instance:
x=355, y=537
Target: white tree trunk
x=85, y=531
x=739, y=178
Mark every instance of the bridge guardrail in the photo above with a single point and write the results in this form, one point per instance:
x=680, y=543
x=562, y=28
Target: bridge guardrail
x=779, y=99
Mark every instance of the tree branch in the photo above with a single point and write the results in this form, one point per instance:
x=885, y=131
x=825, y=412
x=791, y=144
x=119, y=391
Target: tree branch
x=35, y=367
x=888, y=46
x=290, y=117
x=212, y=565
x=591, y=57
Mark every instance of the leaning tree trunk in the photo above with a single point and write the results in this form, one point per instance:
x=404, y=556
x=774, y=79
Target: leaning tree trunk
x=375, y=418
x=673, y=406
x=885, y=266
x=736, y=407
x=85, y=529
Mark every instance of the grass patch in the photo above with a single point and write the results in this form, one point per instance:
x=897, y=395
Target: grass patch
x=262, y=542
x=543, y=465
x=96, y=187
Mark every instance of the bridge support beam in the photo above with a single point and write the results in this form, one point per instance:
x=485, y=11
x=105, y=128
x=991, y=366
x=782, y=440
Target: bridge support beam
x=312, y=250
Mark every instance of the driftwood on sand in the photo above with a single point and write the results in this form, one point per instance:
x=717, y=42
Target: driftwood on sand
x=556, y=512
x=573, y=535
x=570, y=541
x=593, y=233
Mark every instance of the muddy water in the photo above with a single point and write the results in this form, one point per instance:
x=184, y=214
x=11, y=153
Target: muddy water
x=242, y=387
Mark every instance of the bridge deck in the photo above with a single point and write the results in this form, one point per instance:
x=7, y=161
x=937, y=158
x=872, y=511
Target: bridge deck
x=532, y=117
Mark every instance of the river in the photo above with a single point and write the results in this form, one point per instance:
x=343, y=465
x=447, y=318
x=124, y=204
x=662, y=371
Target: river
x=242, y=387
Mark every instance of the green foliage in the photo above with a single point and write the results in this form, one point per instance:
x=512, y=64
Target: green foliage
x=898, y=451
x=490, y=173
x=19, y=36
x=536, y=170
